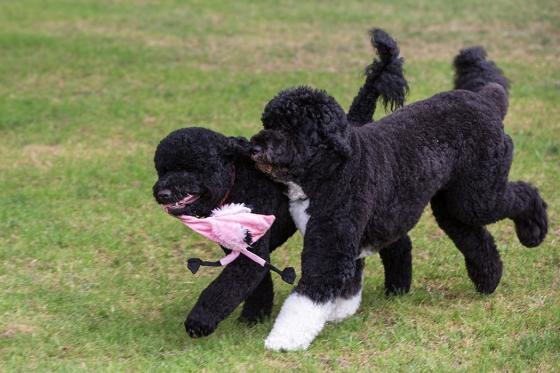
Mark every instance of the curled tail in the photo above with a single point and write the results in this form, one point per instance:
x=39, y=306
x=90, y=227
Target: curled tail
x=473, y=72
x=384, y=77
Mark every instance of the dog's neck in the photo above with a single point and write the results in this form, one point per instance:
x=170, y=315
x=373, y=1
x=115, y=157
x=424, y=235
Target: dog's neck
x=232, y=183
x=245, y=179
x=328, y=166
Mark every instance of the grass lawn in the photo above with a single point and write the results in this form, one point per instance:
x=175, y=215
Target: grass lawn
x=91, y=270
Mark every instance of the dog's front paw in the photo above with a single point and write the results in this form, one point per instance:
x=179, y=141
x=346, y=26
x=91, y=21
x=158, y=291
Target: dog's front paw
x=287, y=342
x=300, y=320
x=199, y=328
x=345, y=307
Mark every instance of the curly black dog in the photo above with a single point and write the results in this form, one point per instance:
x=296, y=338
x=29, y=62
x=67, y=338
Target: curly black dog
x=217, y=169
x=363, y=188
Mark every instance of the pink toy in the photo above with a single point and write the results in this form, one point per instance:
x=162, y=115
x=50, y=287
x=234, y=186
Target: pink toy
x=234, y=227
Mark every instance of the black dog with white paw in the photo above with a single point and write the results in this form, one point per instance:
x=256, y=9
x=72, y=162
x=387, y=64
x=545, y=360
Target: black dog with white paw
x=358, y=189
x=214, y=169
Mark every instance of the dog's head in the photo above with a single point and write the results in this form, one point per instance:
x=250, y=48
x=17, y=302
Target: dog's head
x=195, y=168
x=301, y=126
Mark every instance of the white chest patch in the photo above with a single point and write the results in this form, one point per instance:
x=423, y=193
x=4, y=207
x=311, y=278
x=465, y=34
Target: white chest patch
x=367, y=250
x=298, y=206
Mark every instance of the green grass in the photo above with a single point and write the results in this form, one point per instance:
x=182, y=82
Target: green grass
x=91, y=270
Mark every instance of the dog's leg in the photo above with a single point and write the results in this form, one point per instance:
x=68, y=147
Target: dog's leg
x=485, y=203
x=259, y=304
x=397, y=263
x=328, y=260
x=348, y=302
x=523, y=204
x=300, y=320
x=477, y=245
x=518, y=201
x=234, y=284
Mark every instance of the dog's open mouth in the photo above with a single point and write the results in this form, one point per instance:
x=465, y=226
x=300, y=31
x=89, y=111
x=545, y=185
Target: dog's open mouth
x=190, y=198
x=264, y=167
x=277, y=173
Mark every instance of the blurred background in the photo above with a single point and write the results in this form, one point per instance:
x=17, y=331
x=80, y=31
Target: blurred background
x=91, y=269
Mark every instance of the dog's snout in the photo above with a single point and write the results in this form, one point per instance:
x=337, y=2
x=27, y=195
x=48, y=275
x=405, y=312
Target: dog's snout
x=256, y=149
x=164, y=195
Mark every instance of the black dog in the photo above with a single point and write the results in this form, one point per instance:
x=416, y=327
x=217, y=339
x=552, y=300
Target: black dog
x=363, y=188
x=217, y=169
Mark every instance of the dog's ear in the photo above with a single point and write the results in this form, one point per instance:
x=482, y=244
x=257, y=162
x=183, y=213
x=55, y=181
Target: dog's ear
x=237, y=147
x=340, y=144
x=335, y=128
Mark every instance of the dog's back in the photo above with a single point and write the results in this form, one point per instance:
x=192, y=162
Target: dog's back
x=470, y=114
x=451, y=149
x=426, y=147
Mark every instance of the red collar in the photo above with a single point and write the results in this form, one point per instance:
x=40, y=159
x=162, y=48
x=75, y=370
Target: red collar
x=230, y=187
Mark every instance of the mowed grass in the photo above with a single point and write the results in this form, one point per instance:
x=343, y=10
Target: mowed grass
x=91, y=270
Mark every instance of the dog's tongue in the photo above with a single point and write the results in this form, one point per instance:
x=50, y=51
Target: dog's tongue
x=182, y=203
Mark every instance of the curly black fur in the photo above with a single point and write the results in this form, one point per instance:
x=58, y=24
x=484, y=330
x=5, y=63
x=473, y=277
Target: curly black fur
x=384, y=77
x=473, y=71
x=218, y=169
x=368, y=186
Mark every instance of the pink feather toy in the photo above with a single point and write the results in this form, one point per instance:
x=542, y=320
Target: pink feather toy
x=236, y=228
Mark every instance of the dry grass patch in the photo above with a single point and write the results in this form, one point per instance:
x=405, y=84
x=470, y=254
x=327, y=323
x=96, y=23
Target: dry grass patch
x=44, y=157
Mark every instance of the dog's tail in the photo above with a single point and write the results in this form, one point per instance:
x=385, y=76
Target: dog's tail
x=474, y=72
x=384, y=78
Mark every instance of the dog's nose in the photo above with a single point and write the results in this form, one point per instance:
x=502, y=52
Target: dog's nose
x=164, y=195
x=255, y=149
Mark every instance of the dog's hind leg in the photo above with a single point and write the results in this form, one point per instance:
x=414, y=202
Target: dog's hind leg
x=347, y=303
x=484, y=196
x=477, y=245
x=523, y=204
x=397, y=263
x=258, y=305
x=518, y=201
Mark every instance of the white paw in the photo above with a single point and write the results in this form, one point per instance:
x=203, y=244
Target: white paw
x=277, y=342
x=300, y=320
x=345, y=307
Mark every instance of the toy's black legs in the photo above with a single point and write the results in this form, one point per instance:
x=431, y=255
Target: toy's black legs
x=477, y=245
x=259, y=304
x=397, y=262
